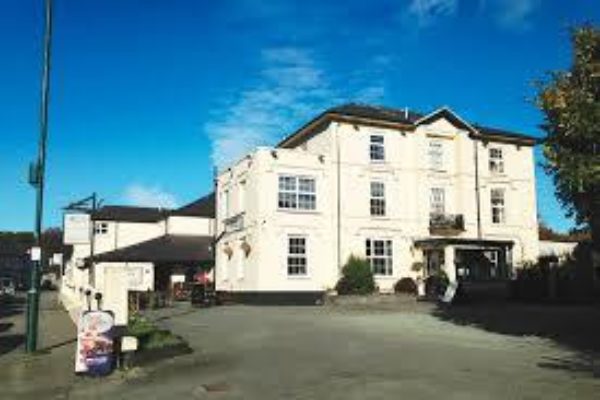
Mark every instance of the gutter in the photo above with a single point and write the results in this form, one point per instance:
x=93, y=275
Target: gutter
x=339, y=203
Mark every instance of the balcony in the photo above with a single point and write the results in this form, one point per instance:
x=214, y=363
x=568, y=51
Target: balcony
x=446, y=224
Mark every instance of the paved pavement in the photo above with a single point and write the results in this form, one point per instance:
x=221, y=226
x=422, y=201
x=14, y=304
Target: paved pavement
x=332, y=352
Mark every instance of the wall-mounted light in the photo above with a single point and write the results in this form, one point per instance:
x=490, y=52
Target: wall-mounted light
x=273, y=153
x=228, y=250
x=321, y=158
x=246, y=248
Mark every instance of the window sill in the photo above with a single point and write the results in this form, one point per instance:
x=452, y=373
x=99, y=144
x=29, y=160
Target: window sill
x=299, y=277
x=297, y=211
x=384, y=276
x=380, y=217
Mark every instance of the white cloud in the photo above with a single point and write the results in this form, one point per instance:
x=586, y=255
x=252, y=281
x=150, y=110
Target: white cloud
x=290, y=88
x=371, y=94
x=428, y=11
x=139, y=195
x=511, y=14
x=516, y=14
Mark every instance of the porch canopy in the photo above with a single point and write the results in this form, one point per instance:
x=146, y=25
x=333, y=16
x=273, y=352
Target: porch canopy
x=164, y=249
x=468, y=260
x=479, y=243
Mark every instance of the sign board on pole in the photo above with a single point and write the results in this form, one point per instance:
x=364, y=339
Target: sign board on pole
x=36, y=254
x=77, y=228
x=57, y=259
x=94, y=353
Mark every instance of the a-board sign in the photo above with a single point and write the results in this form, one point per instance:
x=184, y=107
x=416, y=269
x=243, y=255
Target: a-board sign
x=94, y=353
x=77, y=228
x=450, y=293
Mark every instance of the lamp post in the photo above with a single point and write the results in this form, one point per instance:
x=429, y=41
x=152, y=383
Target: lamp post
x=36, y=178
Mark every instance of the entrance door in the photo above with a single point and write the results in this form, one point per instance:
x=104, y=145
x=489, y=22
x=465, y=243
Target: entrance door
x=434, y=260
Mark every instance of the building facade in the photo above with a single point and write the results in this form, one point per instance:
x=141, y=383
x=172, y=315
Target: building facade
x=124, y=249
x=414, y=194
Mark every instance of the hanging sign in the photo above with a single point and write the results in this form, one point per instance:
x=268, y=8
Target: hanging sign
x=95, y=343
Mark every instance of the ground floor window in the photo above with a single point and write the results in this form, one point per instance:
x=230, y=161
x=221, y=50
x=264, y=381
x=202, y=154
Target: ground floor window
x=379, y=254
x=296, y=256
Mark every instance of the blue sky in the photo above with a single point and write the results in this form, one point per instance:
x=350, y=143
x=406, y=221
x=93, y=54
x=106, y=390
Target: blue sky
x=148, y=94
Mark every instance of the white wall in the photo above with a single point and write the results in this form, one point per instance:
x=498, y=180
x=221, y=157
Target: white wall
x=193, y=226
x=408, y=178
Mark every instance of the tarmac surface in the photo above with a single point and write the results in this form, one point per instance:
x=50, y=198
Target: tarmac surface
x=403, y=350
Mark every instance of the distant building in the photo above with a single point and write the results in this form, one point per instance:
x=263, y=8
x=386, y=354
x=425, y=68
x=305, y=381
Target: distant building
x=136, y=249
x=393, y=186
x=15, y=261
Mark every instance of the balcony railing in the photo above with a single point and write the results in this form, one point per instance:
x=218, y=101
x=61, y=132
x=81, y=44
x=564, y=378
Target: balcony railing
x=446, y=224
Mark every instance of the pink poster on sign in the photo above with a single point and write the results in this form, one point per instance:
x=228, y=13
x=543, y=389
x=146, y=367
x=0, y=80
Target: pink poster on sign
x=94, y=354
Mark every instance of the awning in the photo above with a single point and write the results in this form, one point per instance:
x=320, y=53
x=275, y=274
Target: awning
x=164, y=249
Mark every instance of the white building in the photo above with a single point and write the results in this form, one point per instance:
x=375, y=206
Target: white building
x=390, y=185
x=123, y=248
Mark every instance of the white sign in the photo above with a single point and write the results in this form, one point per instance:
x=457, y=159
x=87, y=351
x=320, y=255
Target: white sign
x=140, y=276
x=77, y=228
x=36, y=254
x=450, y=293
x=57, y=259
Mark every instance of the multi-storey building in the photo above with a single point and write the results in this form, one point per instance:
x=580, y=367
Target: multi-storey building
x=412, y=193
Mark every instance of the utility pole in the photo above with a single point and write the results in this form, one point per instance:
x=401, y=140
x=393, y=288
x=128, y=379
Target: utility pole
x=36, y=178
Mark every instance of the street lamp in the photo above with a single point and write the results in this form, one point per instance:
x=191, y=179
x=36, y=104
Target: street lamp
x=36, y=178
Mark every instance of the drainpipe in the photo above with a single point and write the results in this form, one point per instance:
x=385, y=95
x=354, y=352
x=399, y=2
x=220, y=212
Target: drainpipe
x=477, y=191
x=339, y=204
x=215, y=227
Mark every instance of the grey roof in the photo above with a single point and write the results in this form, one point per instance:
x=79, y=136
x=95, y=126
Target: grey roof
x=405, y=116
x=167, y=248
x=129, y=214
x=401, y=116
x=203, y=207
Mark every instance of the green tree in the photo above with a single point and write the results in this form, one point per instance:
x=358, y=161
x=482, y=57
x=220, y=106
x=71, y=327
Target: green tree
x=570, y=102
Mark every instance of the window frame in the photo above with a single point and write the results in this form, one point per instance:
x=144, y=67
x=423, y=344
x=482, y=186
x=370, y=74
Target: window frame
x=297, y=198
x=435, y=154
x=386, y=256
x=377, y=203
x=100, y=228
x=498, y=205
x=432, y=197
x=296, y=260
x=496, y=160
x=377, y=148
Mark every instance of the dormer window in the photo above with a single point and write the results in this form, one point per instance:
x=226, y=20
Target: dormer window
x=377, y=148
x=496, y=163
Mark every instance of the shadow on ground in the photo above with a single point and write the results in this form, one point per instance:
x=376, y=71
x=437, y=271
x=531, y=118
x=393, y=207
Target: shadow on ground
x=575, y=327
x=10, y=307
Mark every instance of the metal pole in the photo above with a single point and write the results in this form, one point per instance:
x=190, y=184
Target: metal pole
x=33, y=295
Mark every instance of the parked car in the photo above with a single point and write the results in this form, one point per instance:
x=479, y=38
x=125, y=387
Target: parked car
x=7, y=287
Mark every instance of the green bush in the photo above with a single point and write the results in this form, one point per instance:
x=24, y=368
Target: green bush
x=357, y=277
x=149, y=335
x=406, y=285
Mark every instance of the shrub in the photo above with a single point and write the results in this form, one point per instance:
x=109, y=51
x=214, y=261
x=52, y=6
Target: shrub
x=357, y=277
x=149, y=335
x=406, y=285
